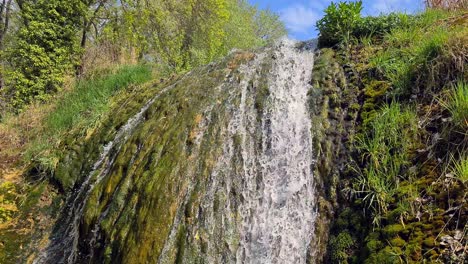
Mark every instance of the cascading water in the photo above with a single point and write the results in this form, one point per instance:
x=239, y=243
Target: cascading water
x=278, y=215
x=216, y=168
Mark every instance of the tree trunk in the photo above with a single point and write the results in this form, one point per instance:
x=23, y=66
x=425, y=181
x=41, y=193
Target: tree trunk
x=5, y=9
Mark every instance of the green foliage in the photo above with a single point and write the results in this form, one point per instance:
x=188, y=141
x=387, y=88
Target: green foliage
x=43, y=49
x=54, y=37
x=384, y=150
x=268, y=27
x=339, y=22
x=380, y=25
x=80, y=110
x=186, y=34
x=457, y=104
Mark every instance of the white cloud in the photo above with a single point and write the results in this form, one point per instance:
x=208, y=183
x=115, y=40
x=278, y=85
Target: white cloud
x=299, y=18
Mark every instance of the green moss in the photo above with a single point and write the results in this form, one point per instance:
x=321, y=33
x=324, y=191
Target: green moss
x=429, y=242
x=397, y=242
x=374, y=245
x=376, y=89
x=340, y=247
x=393, y=230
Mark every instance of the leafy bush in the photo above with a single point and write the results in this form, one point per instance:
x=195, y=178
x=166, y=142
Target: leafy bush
x=381, y=25
x=339, y=22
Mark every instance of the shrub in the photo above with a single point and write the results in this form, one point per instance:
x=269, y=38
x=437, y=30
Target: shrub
x=339, y=22
x=380, y=25
x=43, y=49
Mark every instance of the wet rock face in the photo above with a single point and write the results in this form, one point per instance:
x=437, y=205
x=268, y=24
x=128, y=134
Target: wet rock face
x=217, y=167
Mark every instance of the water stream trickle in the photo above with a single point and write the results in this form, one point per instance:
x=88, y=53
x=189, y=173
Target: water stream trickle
x=64, y=247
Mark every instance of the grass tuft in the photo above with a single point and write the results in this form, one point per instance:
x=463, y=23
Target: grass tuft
x=457, y=104
x=460, y=169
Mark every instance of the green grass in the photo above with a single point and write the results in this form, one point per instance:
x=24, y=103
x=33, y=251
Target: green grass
x=457, y=104
x=90, y=98
x=80, y=109
x=384, y=151
x=408, y=60
x=460, y=169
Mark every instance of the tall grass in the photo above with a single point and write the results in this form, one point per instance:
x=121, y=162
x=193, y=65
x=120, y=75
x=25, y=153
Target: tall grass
x=384, y=152
x=79, y=109
x=90, y=98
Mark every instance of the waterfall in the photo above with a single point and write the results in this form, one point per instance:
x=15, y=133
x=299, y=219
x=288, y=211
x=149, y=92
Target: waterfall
x=240, y=191
x=278, y=214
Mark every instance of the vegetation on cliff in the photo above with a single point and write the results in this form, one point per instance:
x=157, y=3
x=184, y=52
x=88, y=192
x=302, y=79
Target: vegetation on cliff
x=403, y=195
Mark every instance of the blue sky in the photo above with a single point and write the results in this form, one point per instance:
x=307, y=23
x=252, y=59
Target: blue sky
x=300, y=15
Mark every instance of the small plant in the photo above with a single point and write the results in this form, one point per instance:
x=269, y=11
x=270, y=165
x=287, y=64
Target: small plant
x=341, y=247
x=339, y=22
x=459, y=169
x=457, y=104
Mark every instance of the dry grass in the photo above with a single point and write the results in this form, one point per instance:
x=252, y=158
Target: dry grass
x=105, y=56
x=447, y=4
x=240, y=58
x=17, y=131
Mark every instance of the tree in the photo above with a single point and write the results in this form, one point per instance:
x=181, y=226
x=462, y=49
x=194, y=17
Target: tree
x=56, y=36
x=185, y=34
x=268, y=26
x=5, y=12
x=44, y=48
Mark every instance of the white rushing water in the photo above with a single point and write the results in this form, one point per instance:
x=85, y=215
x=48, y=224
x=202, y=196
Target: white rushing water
x=278, y=212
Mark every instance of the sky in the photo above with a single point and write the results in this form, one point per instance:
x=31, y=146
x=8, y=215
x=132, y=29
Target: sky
x=300, y=16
